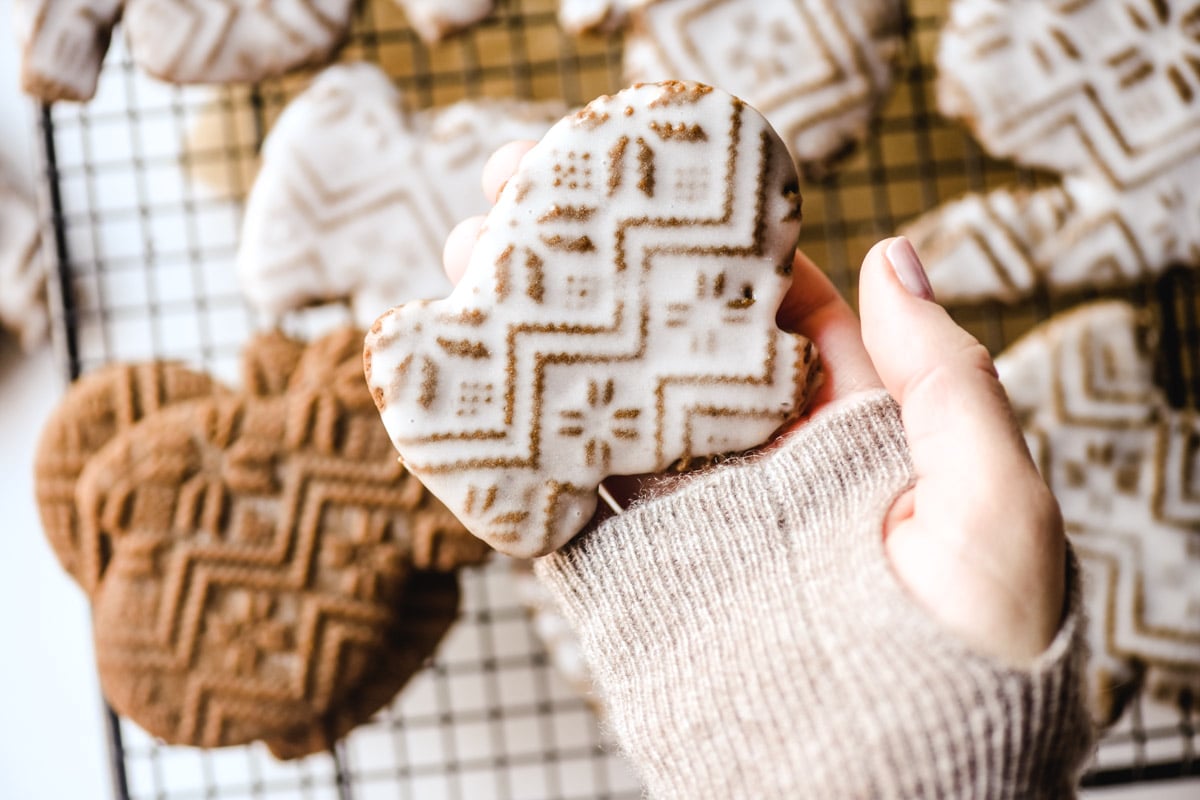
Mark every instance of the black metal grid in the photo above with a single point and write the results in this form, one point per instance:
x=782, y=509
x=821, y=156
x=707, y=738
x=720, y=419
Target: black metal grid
x=144, y=188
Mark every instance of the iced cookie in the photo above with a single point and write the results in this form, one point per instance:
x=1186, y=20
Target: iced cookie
x=63, y=43
x=435, y=19
x=355, y=197
x=95, y=409
x=22, y=274
x=1126, y=470
x=580, y=16
x=1106, y=95
x=618, y=314
x=818, y=70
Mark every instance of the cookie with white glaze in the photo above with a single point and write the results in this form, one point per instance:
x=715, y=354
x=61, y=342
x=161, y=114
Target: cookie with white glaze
x=617, y=314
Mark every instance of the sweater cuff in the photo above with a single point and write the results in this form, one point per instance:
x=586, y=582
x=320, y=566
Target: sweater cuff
x=750, y=638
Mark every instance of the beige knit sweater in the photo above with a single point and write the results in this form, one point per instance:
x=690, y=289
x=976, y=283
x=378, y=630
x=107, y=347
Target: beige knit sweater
x=751, y=641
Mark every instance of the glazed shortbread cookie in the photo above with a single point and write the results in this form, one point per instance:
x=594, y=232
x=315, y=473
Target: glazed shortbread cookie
x=1126, y=470
x=183, y=41
x=434, y=19
x=22, y=274
x=355, y=197
x=817, y=69
x=1106, y=94
x=63, y=43
x=200, y=41
x=618, y=314
x=96, y=408
x=579, y=16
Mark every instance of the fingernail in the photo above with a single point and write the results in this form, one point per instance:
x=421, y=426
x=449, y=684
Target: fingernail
x=907, y=266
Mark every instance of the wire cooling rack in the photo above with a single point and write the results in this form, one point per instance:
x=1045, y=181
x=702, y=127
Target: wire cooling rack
x=144, y=191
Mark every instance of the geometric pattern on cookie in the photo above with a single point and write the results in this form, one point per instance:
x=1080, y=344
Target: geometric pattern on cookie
x=817, y=69
x=22, y=278
x=435, y=19
x=95, y=409
x=617, y=314
x=1107, y=94
x=201, y=41
x=355, y=197
x=1125, y=468
x=255, y=576
x=63, y=43
x=183, y=41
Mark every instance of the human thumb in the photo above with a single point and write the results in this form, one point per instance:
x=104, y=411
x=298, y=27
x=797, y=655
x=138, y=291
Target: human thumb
x=979, y=539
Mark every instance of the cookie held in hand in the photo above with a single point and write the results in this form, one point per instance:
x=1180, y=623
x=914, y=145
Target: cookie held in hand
x=618, y=314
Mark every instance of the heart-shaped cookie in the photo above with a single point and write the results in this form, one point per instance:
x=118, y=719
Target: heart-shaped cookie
x=355, y=197
x=618, y=314
x=1125, y=468
x=94, y=410
x=256, y=578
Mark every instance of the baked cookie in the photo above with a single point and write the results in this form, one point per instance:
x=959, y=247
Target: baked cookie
x=1126, y=470
x=182, y=41
x=1104, y=93
x=22, y=275
x=618, y=314
x=257, y=575
x=95, y=409
x=355, y=197
x=268, y=362
x=818, y=70
x=63, y=43
x=435, y=19
x=581, y=16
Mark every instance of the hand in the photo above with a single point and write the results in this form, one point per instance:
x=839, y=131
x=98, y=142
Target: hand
x=978, y=540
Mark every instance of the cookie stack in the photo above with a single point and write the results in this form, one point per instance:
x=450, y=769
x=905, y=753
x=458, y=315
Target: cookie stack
x=260, y=566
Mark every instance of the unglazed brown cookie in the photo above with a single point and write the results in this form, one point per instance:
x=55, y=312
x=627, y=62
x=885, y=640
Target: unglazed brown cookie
x=95, y=409
x=355, y=197
x=618, y=314
x=268, y=362
x=256, y=577
x=22, y=275
x=1106, y=94
x=1125, y=467
x=818, y=70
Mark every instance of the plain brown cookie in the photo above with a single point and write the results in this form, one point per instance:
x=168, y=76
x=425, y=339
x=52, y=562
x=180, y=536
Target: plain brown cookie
x=328, y=383
x=268, y=362
x=258, y=577
x=94, y=410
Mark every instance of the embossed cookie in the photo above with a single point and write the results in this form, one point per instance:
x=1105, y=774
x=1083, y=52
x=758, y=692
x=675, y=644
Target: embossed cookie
x=618, y=314
x=1105, y=94
x=63, y=43
x=355, y=197
x=435, y=19
x=22, y=277
x=257, y=575
x=818, y=70
x=95, y=409
x=1126, y=470
x=182, y=41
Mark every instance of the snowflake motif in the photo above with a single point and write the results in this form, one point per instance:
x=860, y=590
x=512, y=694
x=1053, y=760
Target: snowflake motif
x=1175, y=52
x=367, y=561
x=599, y=423
x=766, y=63
x=248, y=631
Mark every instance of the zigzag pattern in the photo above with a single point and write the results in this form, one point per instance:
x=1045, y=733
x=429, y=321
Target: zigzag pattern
x=1126, y=470
x=817, y=69
x=1106, y=93
x=618, y=314
x=354, y=200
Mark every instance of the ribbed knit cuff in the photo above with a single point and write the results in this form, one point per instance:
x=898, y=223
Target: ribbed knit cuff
x=751, y=640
